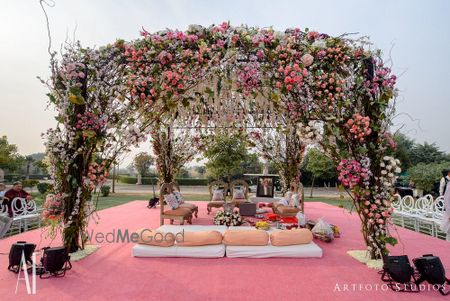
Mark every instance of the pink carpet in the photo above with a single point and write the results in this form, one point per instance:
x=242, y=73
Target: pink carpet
x=111, y=273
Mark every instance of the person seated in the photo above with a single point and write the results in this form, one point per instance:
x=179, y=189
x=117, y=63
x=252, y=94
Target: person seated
x=2, y=191
x=16, y=192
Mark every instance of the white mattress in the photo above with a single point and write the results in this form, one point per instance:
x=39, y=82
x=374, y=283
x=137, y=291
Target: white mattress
x=212, y=251
x=295, y=251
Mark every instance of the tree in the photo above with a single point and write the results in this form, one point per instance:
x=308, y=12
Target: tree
x=319, y=165
x=226, y=156
x=41, y=166
x=252, y=164
x=425, y=176
x=28, y=160
x=403, y=151
x=142, y=163
x=201, y=170
x=183, y=173
x=10, y=159
x=427, y=153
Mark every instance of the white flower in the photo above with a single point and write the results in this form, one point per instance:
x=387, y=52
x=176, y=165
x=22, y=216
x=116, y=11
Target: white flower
x=383, y=172
x=382, y=164
x=398, y=170
x=320, y=43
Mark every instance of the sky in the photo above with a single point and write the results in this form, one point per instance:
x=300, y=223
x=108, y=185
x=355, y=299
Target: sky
x=414, y=34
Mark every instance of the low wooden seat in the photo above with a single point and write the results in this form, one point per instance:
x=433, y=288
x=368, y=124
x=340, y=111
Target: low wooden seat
x=285, y=211
x=180, y=214
x=216, y=203
x=190, y=206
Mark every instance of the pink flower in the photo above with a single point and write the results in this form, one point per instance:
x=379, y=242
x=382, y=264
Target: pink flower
x=307, y=59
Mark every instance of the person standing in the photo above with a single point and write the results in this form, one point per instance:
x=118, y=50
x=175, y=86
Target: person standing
x=445, y=224
x=444, y=181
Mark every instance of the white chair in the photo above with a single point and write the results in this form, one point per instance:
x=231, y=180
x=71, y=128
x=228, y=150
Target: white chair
x=3, y=208
x=23, y=212
x=397, y=206
x=409, y=216
x=424, y=208
x=438, y=215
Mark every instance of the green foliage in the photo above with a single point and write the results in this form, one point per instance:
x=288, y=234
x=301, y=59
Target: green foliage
x=41, y=166
x=29, y=183
x=43, y=187
x=252, y=164
x=319, y=165
x=183, y=173
x=427, y=153
x=403, y=150
x=142, y=163
x=154, y=180
x=10, y=159
x=105, y=189
x=425, y=176
x=226, y=156
x=201, y=170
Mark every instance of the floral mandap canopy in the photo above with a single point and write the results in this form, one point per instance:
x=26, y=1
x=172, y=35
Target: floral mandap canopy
x=334, y=91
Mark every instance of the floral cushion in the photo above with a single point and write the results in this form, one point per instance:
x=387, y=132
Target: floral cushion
x=238, y=194
x=172, y=201
x=283, y=202
x=288, y=195
x=295, y=200
x=217, y=195
x=177, y=194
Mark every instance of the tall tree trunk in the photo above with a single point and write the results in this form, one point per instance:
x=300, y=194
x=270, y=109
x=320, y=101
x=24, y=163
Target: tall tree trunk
x=28, y=170
x=312, y=187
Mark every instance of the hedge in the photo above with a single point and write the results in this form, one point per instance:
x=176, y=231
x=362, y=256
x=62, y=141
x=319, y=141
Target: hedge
x=154, y=180
x=10, y=178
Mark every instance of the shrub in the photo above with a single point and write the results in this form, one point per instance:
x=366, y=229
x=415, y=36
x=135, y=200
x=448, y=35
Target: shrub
x=105, y=189
x=425, y=176
x=43, y=187
x=154, y=180
x=29, y=183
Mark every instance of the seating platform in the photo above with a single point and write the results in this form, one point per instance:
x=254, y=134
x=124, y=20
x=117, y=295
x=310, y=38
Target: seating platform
x=220, y=250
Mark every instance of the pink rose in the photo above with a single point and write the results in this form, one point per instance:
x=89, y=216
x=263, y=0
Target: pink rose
x=307, y=59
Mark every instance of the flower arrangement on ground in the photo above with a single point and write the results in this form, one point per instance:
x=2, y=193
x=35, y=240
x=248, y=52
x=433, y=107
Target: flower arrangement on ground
x=228, y=218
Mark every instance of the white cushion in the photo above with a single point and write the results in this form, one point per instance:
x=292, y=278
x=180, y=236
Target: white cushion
x=217, y=195
x=284, y=201
x=295, y=200
x=172, y=201
x=177, y=194
x=238, y=194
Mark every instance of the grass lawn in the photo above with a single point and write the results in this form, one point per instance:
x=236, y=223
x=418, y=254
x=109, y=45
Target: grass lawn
x=122, y=198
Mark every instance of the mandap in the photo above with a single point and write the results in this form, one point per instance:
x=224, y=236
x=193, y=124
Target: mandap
x=333, y=91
